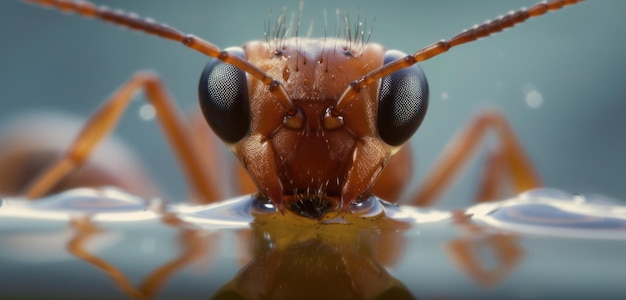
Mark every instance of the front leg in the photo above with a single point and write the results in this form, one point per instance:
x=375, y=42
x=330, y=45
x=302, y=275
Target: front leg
x=104, y=121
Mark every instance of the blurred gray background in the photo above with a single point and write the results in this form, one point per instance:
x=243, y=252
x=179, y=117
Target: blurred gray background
x=573, y=58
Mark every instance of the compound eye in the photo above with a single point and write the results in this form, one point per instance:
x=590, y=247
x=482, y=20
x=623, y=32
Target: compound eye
x=223, y=94
x=403, y=101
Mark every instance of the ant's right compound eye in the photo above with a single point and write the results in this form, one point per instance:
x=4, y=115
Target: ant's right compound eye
x=403, y=101
x=223, y=93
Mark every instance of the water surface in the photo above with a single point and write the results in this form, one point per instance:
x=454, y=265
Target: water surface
x=105, y=244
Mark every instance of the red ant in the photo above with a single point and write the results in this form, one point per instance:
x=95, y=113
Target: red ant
x=312, y=121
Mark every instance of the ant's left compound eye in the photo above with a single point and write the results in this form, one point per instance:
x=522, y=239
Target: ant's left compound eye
x=223, y=93
x=403, y=101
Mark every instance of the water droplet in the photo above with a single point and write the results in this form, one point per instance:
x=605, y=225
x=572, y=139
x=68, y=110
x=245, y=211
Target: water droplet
x=533, y=98
x=147, y=112
x=445, y=96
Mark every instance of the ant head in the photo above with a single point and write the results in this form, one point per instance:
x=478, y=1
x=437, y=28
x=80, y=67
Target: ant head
x=322, y=155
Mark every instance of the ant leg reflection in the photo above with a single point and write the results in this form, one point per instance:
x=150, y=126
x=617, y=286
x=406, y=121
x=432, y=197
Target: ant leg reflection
x=193, y=243
x=85, y=231
x=464, y=251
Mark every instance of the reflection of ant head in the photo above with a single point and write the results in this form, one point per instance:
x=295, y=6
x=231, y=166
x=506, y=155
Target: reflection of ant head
x=308, y=260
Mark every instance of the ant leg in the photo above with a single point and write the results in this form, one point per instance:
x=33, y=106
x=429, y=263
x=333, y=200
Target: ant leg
x=493, y=176
x=214, y=159
x=26, y=151
x=106, y=118
x=210, y=144
x=522, y=173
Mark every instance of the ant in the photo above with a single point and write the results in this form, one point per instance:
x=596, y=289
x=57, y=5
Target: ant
x=313, y=128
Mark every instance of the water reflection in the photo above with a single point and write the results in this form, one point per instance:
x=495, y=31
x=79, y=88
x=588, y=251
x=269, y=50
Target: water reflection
x=503, y=250
x=232, y=250
x=303, y=259
x=191, y=242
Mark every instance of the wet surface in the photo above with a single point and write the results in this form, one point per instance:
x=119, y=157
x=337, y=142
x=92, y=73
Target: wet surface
x=107, y=244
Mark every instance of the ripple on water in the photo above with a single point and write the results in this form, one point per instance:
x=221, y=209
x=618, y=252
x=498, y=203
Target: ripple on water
x=114, y=205
x=235, y=213
x=107, y=204
x=547, y=212
x=241, y=211
x=556, y=213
